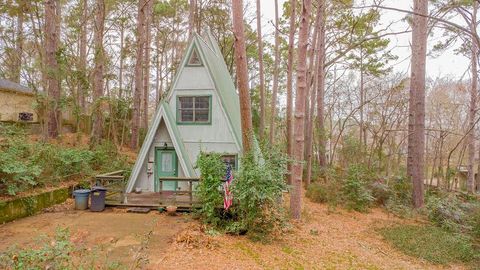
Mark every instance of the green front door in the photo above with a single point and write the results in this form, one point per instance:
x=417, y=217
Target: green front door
x=165, y=166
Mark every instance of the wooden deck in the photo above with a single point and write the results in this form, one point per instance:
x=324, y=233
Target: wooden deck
x=115, y=184
x=154, y=200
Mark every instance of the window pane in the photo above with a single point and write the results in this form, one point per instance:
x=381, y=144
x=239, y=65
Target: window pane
x=194, y=109
x=202, y=102
x=186, y=115
x=167, y=162
x=229, y=160
x=201, y=115
x=186, y=102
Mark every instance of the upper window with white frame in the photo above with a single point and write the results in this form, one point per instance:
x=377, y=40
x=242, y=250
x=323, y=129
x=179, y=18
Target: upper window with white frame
x=194, y=110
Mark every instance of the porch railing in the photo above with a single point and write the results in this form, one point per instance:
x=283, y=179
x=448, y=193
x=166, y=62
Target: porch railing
x=177, y=193
x=115, y=183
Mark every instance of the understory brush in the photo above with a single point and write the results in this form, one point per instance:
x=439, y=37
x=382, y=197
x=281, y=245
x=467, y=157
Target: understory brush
x=58, y=252
x=431, y=243
x=350, y=188
x=257, y=188
x=454, y=213
x=25, y=165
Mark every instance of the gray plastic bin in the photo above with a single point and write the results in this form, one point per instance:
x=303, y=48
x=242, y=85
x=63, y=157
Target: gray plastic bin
x=98, y=199
x=81, y=198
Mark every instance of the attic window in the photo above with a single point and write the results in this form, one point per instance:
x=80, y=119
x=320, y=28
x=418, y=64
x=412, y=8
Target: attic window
x=194, y=59
x=194, y=110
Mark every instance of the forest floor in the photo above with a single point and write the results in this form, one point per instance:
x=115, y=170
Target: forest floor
x=324, y=239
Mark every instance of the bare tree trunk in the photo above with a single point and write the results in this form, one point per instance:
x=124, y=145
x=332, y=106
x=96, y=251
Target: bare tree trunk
x=158, y=69
x=122, y=59
x=273, y=104
x=83, y=56
x=19, y=43
x=242, y=75
x=296, y=195
x=261, y=129
x=51, y=46
x=321, y=87
x=146, y=63
x=99, y=59
x=138, y=74
x=312, y=88
x=473, y=104
x=416, y=138
x=362, y=99
x=319, y=68
x=289, y=116
x=311, y=80
x=191, y=17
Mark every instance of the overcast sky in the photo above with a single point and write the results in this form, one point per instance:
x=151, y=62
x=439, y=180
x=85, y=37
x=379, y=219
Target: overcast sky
x=446, y=64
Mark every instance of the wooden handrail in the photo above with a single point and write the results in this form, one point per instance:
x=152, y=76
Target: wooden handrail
x=190, y=190
x=179, y=179
x=115, y=173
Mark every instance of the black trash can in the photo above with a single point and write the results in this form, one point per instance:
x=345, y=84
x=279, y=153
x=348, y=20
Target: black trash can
x=97, y=197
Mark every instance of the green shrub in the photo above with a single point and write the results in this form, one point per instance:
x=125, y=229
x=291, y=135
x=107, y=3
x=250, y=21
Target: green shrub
x=318, y=193
x=474, y=222
x=381, y=192
x=25, y=165
x=18, y=170
x=431, y=243
x=328, y=192
x=446, y=212
x=400, y=199
x=257, y=193
x=355, y=192
x=212, y=171
x=58, y=162
x=106, y=158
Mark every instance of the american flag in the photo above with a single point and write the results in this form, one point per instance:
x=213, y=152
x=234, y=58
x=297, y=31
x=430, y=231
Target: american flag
x=228, y=199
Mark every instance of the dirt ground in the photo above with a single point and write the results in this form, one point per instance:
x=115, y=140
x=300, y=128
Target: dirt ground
x=323, y=240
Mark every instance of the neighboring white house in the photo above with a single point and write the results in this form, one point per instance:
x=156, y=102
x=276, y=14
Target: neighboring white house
x=200, y=113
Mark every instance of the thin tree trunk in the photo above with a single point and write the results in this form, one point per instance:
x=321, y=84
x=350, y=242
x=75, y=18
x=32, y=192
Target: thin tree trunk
x=51, y=46
x=146, y=63
x=362, y=100
x=416, y=138
x=261, y=129
x=158, y=69
x=273, y=104
x=98, y=70
x=83, y=56
x=296, y=195
x=19, y=43
x=242, y=75
x=122, y=58
x=319, y=49
x=138, y=74
x=473, y=105
x=289, y=116
x=321, y=88
x=312, y=88
x=311, y=55
x=191, y=18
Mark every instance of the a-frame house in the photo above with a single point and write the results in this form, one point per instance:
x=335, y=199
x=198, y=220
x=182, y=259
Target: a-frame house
x=201, y=112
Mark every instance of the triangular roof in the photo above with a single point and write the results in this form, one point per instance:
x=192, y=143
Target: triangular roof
x=163, y=113
x=212, y=60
